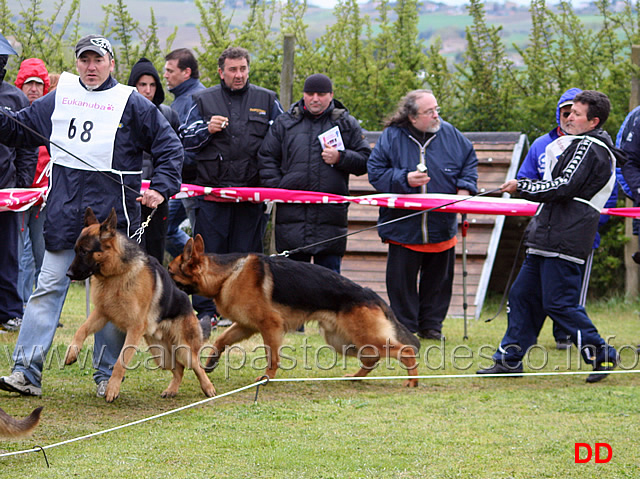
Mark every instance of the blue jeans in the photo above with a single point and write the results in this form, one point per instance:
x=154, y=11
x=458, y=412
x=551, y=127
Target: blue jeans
x=549, y=287
x=179, y=210
x=30, y=249
x=41, y=318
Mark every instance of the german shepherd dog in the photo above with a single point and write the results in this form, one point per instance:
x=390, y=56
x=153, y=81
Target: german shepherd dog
x=10, y=427
x=273, y=295
x=134, y=292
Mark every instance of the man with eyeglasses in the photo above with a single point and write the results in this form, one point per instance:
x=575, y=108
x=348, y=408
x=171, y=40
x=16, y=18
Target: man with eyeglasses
x=533, y=168
x=418, y=152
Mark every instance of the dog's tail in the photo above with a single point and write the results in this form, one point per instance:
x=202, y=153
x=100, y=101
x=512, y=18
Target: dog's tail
x=402, y=333
x=10, y=427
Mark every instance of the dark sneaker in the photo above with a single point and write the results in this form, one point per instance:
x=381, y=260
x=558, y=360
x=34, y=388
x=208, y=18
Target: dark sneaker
x=602, y=369
x=501, y=368
x=431, y=334
x=17, y=383
x=11, y=325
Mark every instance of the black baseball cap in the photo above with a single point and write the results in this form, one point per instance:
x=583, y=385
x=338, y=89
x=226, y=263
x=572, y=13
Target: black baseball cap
x=94, y=43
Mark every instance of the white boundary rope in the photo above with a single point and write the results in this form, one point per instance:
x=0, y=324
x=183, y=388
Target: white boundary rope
x=286, y=380
x=452, y=376
x=139, y=421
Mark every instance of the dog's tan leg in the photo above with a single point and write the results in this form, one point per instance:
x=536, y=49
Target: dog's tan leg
x=407, y=356
x=205, y=382
x=402, y=353
x=368, y=363
x=234, y=334
x=94, y=323
x=128, y=349
x=172, y=389
x=272, y=334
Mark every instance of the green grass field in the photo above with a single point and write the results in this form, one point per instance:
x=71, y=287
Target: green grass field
x=459, y=427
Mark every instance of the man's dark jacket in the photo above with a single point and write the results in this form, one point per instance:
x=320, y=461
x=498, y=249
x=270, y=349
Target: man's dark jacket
x=566, y=222
x=290, y=158
x=229, y=157
x=142, y=128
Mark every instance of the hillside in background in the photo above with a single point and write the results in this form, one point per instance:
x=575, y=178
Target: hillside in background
x=436, y=20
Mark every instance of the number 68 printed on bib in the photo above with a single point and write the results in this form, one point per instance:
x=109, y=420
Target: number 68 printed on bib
x=85, y=136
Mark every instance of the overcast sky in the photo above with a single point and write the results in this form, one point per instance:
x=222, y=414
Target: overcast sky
x=331, y=3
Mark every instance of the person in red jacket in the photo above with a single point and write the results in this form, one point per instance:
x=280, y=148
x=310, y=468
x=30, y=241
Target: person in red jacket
x=33, y=80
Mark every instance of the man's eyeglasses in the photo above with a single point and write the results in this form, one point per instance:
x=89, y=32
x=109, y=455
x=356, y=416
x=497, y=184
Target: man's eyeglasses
x=565, y=114
x=431, y=111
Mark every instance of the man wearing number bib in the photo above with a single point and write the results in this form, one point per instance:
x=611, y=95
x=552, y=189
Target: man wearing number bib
x=98, y=130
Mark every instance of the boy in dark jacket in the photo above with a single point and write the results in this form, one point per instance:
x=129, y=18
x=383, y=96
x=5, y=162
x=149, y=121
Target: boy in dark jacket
x=17, y=168
x=145, y=78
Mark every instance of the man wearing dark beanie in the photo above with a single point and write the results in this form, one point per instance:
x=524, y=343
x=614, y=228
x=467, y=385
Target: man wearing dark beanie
x=313, y=147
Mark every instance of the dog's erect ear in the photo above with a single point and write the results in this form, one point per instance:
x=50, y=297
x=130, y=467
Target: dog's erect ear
x=109, y=225
x=188, y=250
x=90, y=217
x=198, y=245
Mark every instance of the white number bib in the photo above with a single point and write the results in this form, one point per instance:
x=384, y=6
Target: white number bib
x=85, y=123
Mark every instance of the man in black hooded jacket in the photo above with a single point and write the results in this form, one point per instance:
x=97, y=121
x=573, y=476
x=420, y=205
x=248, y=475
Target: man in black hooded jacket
x=146, y=79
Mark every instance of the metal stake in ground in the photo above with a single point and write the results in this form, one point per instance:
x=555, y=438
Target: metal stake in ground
x=465, y=227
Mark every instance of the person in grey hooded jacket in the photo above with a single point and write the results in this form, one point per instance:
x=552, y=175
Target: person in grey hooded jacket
x=145, y=78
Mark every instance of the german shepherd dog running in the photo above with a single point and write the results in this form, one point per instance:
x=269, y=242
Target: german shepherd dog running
x=134, y=292
x=273, y=295
x=10, y=427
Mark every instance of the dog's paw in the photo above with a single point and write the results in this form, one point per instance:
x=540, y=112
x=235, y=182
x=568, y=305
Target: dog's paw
x=266, y=376
x=169, y=393
x=212, y=363
x=71, y=356
x=112, y=392
x=209, y=391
